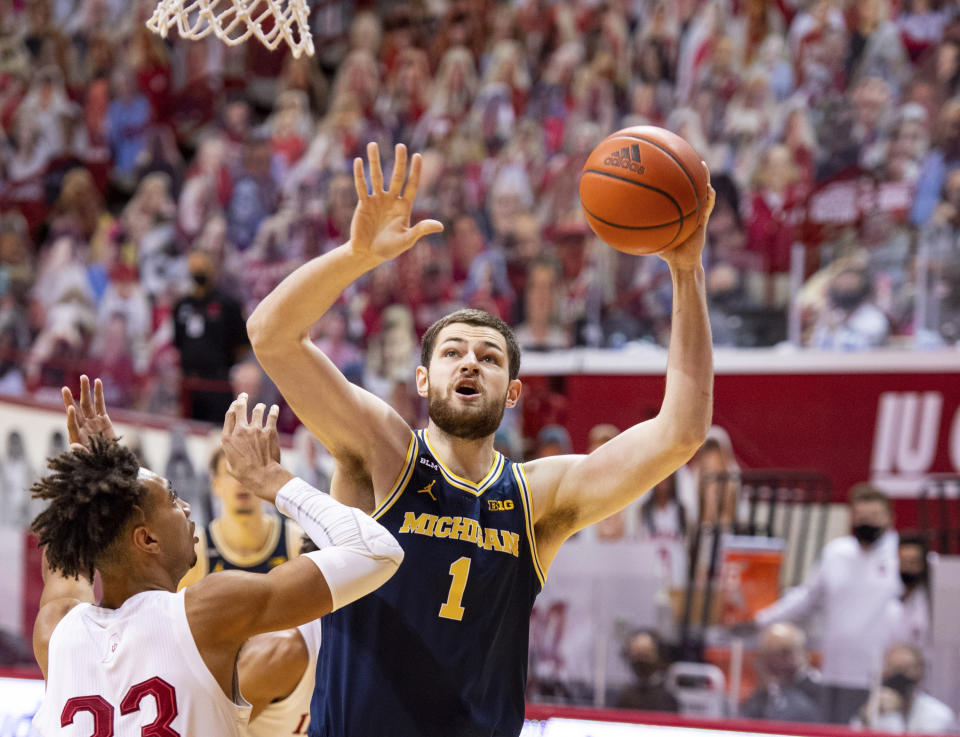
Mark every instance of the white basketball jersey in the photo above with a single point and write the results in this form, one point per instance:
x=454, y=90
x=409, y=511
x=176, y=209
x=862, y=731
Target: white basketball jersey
x=133, y=671
x=292, y=715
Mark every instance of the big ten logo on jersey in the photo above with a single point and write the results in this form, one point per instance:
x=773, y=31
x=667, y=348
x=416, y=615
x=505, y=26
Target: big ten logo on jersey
x=499, y=505
x=907, y=441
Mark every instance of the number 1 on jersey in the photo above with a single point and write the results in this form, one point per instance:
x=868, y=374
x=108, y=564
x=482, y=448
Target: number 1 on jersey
x=451, y=609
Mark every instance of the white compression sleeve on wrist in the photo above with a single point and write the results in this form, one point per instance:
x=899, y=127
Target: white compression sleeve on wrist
x=357, y=554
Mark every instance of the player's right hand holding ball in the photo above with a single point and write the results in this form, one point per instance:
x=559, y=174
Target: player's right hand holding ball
x=645, y=190
x=688, y=254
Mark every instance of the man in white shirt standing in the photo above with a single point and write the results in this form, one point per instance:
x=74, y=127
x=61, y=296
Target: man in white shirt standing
x=851, y=587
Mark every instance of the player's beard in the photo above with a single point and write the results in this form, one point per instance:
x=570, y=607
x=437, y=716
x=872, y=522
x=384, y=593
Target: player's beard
x=468, y=423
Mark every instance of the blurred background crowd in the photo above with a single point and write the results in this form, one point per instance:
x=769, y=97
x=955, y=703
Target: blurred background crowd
x=151, y=191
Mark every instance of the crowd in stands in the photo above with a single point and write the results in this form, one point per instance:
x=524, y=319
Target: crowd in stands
x=830, y=123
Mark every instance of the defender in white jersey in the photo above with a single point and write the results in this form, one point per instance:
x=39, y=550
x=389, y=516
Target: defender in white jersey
x=147, y=660
x=103, y=663
x=277, y=671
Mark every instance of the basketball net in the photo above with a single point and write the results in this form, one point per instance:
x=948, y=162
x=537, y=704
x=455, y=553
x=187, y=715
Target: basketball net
x=234, y=21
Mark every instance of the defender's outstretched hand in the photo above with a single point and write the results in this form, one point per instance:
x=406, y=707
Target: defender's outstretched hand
x=252, y=448
x=688, y=254
x=380, y=229
x=88, y=417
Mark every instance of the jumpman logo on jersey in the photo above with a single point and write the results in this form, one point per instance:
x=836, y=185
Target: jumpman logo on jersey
x=428, y=490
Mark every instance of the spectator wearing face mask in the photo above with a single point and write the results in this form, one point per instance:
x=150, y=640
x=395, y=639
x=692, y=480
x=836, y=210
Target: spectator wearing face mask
x=644, y=654
x=849, y=321
x=851, y=587
x=910, y=612
x=790, y=690
x=899, y=705
x=211, y=336
x=729, y=301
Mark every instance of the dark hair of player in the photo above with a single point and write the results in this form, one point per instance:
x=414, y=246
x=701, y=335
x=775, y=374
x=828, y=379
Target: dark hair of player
x=477, y=318
x=93, y=495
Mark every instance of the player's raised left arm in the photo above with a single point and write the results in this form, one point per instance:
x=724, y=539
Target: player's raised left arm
x=572, y=492
x=61, y=593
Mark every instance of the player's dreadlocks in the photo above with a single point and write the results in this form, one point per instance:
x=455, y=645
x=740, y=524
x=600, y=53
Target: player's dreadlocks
x=92, y=495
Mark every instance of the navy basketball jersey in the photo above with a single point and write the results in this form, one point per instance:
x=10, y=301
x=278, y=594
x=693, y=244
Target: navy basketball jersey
x=440, y=650
x=281, y=545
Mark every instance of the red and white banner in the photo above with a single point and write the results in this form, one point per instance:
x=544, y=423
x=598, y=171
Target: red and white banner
x=891, y=417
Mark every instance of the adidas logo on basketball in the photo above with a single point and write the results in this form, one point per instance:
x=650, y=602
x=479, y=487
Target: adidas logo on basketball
x=627, y=157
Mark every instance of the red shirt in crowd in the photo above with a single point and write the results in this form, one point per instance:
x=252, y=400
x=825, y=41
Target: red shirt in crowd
x=772, y=227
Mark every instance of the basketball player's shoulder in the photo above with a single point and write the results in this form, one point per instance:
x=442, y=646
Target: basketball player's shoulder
x=389, y=461
x=544, y=475
x=49, y=618
x=276, y=652
x=271, y=665
x=383, y=431
x=554, y=515
x=53, y=612
x=399, y=441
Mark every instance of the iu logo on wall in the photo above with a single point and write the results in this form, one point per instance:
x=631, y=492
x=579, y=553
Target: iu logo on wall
x=911, y=430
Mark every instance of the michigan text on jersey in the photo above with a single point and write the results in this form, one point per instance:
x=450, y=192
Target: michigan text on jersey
x=462, y=528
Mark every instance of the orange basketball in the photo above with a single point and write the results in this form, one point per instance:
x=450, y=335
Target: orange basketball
x=643, y=189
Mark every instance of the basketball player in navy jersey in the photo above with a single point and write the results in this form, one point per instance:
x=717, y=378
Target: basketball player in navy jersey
x=243, y=537
x=441, y=649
